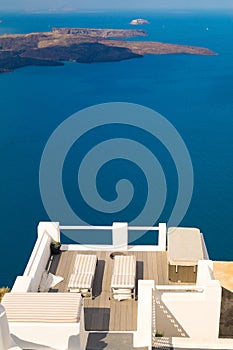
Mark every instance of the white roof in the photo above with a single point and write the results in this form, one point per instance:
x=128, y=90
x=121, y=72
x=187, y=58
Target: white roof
x=43, y=307
x=184, y=246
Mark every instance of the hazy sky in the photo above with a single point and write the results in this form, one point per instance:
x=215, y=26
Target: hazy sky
x=111, y=4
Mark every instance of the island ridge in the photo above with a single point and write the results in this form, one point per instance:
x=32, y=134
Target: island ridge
x=84, y=45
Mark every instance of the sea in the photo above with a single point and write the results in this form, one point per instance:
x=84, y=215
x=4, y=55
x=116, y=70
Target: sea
x=193, y=92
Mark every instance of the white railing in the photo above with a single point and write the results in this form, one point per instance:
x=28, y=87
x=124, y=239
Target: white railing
x=120, y=236
x=85, y=227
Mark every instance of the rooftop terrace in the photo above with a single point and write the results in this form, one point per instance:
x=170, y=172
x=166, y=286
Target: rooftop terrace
x=101, y=313
x=179, y=298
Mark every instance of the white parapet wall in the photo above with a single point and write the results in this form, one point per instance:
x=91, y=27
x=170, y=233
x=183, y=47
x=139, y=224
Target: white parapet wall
x=29, y=282
x=6, y=341
x=143, y=335
x=43, y=336
x=56, y=323
x=54, y=336
x=196, y=307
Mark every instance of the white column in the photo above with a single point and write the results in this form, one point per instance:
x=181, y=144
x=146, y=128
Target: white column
x=120, y=235
x=52, y=228
x=143, y=335
x=162, y=237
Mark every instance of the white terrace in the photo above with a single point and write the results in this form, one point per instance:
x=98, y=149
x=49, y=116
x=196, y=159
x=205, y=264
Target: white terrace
x=169, y=289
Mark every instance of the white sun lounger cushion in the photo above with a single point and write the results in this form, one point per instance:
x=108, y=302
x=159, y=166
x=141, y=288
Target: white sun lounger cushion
x=123, y=281
x=122, y=290
x=85, y=263
x=122, y=294
x=124, y=265
x=80, y=280
x=124, y=272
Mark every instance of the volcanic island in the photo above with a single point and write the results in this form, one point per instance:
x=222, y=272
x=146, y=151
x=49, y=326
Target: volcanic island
x=83, y=45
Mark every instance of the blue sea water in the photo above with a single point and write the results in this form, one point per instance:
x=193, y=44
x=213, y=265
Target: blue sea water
x=195, y=93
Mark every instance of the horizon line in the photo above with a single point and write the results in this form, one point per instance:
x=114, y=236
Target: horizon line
x=88, y=10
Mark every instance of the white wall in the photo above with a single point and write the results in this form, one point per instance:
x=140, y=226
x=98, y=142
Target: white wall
x=39, y=336
x=6, y=342
x=143, y=335
x=22, y=284
x=38, y=264
x=44, y=336
x=197, y=312
x=83, y=333
x=29, y=282
x=205, y=252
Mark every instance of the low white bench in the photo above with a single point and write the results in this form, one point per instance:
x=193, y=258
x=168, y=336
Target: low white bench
x=185, y=246
x=185, y=249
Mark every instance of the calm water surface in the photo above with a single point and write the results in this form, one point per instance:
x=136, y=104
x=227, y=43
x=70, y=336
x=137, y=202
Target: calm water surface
x=194, y=93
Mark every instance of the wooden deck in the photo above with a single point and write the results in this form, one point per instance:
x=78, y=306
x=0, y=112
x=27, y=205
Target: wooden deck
x=102, y=314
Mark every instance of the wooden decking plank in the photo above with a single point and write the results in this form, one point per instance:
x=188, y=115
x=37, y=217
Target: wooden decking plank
x=164, y=267
x=132, y=312
x=148, y=263
x=113, y=315
x=123, y=316
x=156, y=269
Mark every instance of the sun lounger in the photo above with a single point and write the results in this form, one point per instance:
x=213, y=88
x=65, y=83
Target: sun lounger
x=81, y=279
x=123, y=277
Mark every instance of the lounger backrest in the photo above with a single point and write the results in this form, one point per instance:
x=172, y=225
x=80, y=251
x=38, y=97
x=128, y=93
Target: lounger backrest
x=85, y=263
x=124, y=265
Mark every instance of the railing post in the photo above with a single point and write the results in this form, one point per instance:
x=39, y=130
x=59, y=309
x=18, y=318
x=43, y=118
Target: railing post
x=162, y=237
x=52, y=228
x=120, y=235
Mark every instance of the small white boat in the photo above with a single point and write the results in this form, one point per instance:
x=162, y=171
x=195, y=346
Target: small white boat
x=139, y=21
